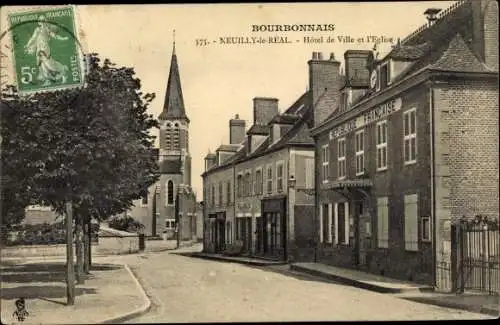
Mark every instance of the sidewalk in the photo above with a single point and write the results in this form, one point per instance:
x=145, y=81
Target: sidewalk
x=234, y=259
x=166, y=245
x=359, y=279
x=110, y=293
x=478, y=303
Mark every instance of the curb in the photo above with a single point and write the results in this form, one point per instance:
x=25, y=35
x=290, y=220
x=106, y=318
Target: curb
x=352, y=282
x=135, y=313
x=450, y=304
x=222, y=259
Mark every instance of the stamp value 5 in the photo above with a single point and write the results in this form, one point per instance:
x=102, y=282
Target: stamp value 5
x=46, y=51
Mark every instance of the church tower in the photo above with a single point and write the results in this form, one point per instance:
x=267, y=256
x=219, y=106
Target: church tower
x=174, y=156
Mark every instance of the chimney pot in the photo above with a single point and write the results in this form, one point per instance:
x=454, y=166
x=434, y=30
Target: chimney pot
x=332, y=56
x=237, y=116
x=320, y=56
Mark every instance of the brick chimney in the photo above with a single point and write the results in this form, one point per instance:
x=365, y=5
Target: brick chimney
x=210, y=160
x=357, y=69
x=324, y=83
x=236, y=130
x=264, y=109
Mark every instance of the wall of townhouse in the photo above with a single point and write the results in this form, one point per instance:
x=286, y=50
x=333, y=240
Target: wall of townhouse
x=301, y=204
x=394, y=182
x=214, y=178
x=250, y=205
x=466, y=156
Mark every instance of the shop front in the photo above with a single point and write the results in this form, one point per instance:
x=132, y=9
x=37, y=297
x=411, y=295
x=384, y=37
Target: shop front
x=351, y=221
x=217, y=232
x=271, y=228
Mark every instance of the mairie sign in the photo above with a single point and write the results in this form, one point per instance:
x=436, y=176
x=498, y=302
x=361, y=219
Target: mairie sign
x=366, y=118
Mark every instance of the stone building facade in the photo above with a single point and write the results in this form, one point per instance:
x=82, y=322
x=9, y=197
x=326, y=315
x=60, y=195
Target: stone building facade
x=254, y=188
x=411, y=145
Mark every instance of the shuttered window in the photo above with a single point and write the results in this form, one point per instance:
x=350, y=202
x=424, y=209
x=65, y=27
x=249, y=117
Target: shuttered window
x=382, y=222
x=411, y=222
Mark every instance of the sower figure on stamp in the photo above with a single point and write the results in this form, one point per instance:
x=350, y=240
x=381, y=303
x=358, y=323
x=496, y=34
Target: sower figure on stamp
x=20, y=312
x=50, y=70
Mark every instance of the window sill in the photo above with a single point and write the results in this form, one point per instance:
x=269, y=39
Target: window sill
x=411, y=162
x=360, y=174
x=341, y=178
x=383, y=169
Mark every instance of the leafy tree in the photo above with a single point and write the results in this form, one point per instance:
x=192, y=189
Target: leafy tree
x=90, y=146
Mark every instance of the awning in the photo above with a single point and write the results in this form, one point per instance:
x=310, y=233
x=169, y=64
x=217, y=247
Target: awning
x=348, y=183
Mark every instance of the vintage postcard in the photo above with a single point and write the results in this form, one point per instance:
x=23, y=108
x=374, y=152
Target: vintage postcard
x=249, y=162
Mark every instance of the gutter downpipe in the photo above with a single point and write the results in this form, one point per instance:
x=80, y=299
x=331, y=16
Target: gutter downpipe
x=316, y=199
x=433, y=182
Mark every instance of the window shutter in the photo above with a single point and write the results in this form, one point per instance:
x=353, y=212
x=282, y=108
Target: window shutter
x=330, y=223
x=321, y=223
x=335, y=223
x=346, y=220
x=411, y=222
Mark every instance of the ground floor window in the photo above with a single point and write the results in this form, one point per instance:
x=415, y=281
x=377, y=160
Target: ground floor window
x=170, y=224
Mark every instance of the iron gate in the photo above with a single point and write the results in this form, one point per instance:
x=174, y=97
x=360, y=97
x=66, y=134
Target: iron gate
x=478, y=254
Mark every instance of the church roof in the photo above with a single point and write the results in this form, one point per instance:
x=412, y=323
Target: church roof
x=173, y=107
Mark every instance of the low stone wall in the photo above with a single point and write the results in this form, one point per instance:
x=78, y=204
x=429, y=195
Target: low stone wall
x=111, y=245
x=36, y=250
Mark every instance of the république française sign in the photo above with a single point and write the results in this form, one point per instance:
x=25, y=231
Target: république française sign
x=366, y=118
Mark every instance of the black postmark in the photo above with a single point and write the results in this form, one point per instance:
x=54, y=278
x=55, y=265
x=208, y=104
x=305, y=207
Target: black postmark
x=21, y=314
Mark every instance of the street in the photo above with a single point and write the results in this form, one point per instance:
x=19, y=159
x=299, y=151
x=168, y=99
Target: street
x=185, y=289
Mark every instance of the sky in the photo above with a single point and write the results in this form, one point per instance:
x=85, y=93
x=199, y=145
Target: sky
x=220, y=80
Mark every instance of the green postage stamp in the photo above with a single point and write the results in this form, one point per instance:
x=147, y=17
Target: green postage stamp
x=46, y=51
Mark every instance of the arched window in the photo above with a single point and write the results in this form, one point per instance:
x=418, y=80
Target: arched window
x=170, y=192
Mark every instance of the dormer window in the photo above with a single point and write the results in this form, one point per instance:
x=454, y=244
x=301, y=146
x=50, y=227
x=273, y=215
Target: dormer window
x=384, y=75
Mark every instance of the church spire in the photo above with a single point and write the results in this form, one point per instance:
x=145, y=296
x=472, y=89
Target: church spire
x=173, y=107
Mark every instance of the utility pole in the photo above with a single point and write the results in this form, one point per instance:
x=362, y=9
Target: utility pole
x=70, y=270
x=178, y=219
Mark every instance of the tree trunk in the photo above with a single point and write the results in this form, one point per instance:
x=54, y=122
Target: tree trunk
x=70, y=271
x=89, y=256
x=86, y=245
x=79, y=250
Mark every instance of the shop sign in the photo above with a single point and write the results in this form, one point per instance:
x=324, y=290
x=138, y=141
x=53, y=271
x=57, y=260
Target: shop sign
x=370, y=116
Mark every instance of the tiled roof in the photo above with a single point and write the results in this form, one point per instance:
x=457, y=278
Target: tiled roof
x=229, y=147
x=443, y=46
x=259, y=129
x=300, y=112
x=458, y=57
x=410, y=52
x=285, y=119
